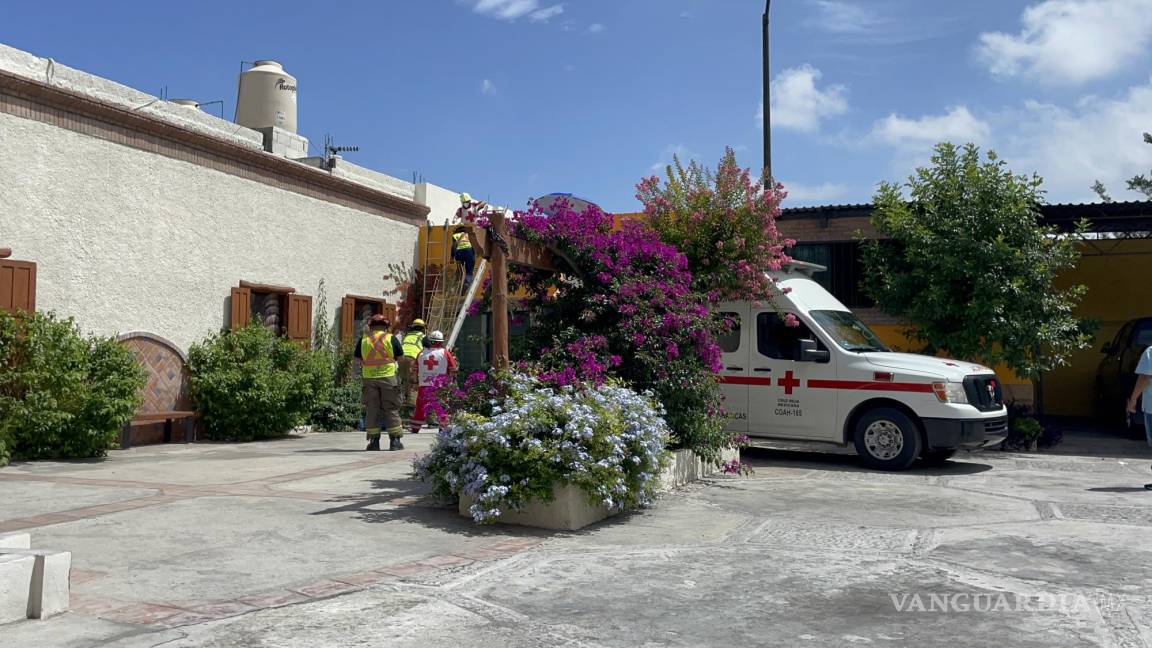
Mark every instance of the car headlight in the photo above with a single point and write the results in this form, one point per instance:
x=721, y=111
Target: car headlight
x=950, y=392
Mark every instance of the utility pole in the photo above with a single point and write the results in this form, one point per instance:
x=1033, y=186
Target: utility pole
x=767, y=97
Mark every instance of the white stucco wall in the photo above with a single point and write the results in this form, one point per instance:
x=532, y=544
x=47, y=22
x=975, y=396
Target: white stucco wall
x=442, y=202
x=129, y=240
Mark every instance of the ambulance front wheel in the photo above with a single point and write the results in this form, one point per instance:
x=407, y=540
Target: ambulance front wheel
x=887, y=439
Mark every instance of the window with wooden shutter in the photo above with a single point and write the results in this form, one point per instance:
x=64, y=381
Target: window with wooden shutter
x=348, y=318
x=17, y=286
x=271, y=307
x=299, y=327
x=355, y=311
x=241, y=307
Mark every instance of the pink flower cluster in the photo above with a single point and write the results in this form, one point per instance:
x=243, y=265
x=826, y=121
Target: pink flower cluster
x=634, y=282
x=587, y=360
x=725, y=224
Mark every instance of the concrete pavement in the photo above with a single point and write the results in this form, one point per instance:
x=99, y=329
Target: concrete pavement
x=308, y=542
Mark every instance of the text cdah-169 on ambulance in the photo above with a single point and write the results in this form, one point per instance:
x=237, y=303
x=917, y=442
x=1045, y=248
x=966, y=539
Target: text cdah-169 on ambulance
x=826, y=377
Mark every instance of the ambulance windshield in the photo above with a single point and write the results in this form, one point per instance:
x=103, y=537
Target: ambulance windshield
x=848, y=331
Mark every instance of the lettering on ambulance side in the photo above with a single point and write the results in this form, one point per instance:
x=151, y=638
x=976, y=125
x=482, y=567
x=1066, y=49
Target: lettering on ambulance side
x=787, y=405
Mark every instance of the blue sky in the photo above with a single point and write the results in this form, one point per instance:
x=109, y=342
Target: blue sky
x=509, y=99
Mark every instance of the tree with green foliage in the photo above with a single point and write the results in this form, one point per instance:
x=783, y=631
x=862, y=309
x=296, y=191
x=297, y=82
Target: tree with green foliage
x=971, y=267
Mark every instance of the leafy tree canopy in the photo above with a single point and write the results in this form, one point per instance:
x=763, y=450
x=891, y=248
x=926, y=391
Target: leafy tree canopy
x=970, y=265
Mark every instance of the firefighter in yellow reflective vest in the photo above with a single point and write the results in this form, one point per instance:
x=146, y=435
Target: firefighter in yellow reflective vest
x=377, y=352
x=463, y=253
x=413, y=343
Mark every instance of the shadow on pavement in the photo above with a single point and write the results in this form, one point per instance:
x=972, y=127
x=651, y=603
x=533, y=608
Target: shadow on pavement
x=331, y=450
x=768, y=458
x=375, y=507
x=1119, y=489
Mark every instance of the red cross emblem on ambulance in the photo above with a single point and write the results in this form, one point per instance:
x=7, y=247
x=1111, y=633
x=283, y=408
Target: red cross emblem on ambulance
x=788, y=382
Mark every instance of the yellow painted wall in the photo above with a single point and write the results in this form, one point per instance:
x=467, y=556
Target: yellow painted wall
x=1119, y=279
x=441, y=246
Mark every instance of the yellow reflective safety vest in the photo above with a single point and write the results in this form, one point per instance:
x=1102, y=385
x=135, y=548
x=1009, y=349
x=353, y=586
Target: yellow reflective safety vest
x=462, y=242
x=413, y=344
x=377, y=360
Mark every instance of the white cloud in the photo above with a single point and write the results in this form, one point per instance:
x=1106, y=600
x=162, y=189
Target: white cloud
x=542, y=15
x=1071, y=41
x=680, y=151
x=825, y=193
x=516, y=9
x=798, y=104
x=487, y=87
x=595, y=28
x=958, y=125
x=840, y=17
x=1098, y=138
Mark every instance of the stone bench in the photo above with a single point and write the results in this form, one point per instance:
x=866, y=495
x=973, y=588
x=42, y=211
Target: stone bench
x=34, y=583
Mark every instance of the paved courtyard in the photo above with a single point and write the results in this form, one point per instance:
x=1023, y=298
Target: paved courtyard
x=307, y=542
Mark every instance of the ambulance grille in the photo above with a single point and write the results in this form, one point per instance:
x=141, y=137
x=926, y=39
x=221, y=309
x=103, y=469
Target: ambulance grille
x=984, y=392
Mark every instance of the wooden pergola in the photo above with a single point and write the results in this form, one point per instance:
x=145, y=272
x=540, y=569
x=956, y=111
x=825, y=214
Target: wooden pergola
x=502, y=250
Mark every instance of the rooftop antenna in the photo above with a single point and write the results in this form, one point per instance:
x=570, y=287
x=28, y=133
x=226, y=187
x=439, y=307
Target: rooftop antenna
x=331, y=151
x=209, y=103
x=236, y=110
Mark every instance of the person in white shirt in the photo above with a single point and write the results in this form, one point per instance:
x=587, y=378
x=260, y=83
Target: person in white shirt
x=434, y=363
x=1143, y=387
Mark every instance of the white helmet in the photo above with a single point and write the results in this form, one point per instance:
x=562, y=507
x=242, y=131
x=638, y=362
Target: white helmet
x=436, y=336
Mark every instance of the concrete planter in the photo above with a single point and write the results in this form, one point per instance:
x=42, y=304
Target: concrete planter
x=569, y=511
x=685, y=467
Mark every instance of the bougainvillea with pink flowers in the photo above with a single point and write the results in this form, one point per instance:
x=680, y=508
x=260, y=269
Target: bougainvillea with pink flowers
x=626, y=309
x=635, y=303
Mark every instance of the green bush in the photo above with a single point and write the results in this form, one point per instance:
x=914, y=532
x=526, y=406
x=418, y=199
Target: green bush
x=342, y=408
x=62, y=395
x=250, y=384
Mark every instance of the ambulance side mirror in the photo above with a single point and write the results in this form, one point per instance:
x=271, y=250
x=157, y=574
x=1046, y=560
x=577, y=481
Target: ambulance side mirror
x=809, y=352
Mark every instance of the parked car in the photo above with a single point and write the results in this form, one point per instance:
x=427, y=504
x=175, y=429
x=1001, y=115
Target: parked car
x=806, y=368
x=1116, y=374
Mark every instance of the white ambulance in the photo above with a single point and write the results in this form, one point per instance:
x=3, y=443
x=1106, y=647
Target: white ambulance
x=828, y=378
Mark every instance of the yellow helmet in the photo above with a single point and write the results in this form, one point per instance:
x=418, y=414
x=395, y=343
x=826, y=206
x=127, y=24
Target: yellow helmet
x=418, y=323
x=465, y=199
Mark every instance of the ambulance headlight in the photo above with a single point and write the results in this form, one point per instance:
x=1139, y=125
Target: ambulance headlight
x=950, y=392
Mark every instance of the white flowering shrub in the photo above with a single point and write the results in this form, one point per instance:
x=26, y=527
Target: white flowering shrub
x=608, y=440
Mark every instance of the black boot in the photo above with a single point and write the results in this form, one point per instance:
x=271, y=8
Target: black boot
x=394, y=444
x=373, y=443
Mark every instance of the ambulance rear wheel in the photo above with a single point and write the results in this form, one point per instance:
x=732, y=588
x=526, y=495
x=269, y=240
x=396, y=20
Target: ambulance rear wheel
x=887, y=439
